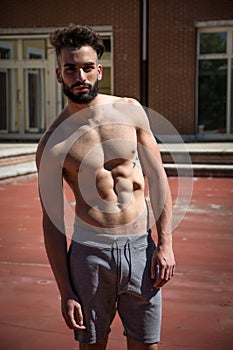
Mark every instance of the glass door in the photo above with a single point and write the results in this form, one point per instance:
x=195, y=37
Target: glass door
x=3, y=100
x=34, y=98
x=34, y=82
x=23, y=86
x=7, y=88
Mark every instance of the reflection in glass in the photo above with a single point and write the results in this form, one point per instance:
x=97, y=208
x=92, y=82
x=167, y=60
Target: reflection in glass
x=9, y=107
x=8, y=49
x=3, y=100
x=34, y=49
x=212, y=92
x=107, y=51
x=213, y=43
x=232, y=95
x=105, y=83
x=34, y=98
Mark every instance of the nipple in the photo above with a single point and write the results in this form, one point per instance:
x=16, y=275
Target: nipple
x=135, y=225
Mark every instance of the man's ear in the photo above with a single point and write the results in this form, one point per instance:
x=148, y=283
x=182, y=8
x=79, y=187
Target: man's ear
x=100, y=71
x=58, y=74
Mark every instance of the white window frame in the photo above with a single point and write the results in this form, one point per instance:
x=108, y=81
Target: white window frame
x=19, y=64
x=10, y=99
x=41, y=53
x=213, y=27
x=109, y=62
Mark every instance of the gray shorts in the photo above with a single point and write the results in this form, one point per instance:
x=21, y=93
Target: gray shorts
x=115, y=275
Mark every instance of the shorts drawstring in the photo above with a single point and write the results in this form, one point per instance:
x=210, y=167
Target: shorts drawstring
x=115, y=247
x=117, y=257
x=127, y=248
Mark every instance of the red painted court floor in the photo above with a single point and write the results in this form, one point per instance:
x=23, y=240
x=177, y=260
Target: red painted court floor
x=197, y=303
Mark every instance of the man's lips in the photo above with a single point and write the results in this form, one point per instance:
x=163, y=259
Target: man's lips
x=81, y=88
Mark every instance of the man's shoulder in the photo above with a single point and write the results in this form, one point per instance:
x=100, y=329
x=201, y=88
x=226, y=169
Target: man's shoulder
x=112, y=99
x=45, y=137
x=47, y=134
x=41, y=146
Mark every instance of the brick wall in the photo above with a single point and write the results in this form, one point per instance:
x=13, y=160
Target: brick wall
x=172, y=43
x=172, y=55
x=122, y=15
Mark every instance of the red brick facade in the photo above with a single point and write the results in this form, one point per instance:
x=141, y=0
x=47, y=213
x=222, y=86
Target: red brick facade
x=172, y=55
x=171, y=45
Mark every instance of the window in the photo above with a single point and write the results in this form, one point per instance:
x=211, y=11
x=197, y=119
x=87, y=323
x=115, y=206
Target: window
x=34, y=106
x=34, y=49
x=34, y=80
x=3, y=100
x=215, y=81
x=7, y=80
x=30, y=97
x=106, y=84
x=23, y=84
x=8, y=49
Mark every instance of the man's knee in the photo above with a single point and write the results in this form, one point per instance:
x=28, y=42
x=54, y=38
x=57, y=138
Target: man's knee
x=100, y=345
x=135, y=345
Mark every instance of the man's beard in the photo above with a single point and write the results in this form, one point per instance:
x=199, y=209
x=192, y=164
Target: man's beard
x=81, y=98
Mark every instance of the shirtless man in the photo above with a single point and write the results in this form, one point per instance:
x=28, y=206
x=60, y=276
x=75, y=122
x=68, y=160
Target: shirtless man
x=112, y=263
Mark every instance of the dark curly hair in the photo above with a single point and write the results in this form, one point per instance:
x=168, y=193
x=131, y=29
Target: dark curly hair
x=77, y=36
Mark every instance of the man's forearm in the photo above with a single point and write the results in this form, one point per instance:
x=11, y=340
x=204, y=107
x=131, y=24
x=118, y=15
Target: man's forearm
x=56, y=248
x=161, y=203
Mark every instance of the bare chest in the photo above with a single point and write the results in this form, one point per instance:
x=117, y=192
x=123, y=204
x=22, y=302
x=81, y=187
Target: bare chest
x=101, y=146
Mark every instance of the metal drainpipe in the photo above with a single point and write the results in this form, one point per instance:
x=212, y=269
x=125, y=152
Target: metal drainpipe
x=144, y=54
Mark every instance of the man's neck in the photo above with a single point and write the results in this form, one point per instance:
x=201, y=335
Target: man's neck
x=76, y=107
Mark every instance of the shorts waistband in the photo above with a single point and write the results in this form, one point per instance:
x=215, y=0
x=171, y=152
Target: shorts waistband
x=94, y=238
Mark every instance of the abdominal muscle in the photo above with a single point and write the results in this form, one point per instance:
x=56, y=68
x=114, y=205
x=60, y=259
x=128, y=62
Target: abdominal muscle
x=111, y=201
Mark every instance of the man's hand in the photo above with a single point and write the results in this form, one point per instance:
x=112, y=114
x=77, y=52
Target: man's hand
x=72, y=313
x=163, y=260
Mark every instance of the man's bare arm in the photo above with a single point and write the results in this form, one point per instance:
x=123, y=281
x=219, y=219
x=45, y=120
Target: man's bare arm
x=161, y=202
x=51, y=196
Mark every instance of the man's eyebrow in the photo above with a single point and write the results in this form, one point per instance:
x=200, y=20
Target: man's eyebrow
x=68, y=64
x=74, y=65
x=89, y=63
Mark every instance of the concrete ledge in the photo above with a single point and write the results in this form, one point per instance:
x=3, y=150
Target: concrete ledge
x=13, y=150
x=206, y=159
x=202, y=170
x=17, y=170
x=200, y=147
x=221, y=154
x=199, y=166
x=12, y=171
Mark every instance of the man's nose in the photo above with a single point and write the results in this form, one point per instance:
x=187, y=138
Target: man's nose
x=80, y=75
